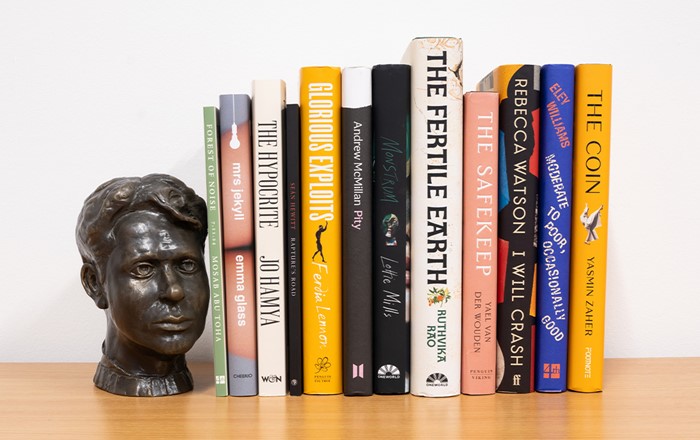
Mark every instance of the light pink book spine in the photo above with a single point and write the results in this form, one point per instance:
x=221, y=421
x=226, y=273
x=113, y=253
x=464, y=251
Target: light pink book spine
x=480, y=242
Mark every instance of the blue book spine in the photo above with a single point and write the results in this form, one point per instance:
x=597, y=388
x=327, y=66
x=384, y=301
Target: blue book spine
x=554, y=236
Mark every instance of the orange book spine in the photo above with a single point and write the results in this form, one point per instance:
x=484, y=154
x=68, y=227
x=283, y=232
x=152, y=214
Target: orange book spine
x=321, y=229
x=589, y=229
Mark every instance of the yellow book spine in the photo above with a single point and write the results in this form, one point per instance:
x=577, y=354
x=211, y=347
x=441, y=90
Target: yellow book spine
x=321, y=228
x=589, y=229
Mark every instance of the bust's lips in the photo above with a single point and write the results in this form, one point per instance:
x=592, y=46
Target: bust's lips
x=173, y=323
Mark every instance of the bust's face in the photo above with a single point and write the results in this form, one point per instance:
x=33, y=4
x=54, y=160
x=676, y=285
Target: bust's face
x=156, y=284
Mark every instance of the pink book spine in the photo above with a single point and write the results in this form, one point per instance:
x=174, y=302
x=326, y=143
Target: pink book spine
x=238, y=238
x=480, y=242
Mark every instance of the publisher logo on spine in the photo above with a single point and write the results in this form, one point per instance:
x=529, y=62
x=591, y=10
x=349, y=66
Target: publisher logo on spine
x=436, y=380
x=388, y=371
x=272, y=378
x=358, y=371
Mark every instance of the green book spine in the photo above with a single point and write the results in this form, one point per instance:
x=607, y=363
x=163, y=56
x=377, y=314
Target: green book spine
x=218, y=310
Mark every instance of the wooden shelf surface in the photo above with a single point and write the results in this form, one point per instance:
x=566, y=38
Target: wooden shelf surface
x=643, y=398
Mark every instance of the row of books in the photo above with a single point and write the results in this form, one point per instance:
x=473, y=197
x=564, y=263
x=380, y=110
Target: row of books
x=393, y=234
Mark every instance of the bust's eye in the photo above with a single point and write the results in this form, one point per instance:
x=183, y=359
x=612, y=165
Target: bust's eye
x=142, y=270
x=189, y=266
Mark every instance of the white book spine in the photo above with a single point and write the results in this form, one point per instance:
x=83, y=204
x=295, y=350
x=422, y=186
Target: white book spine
x=268, y=103
x=436, y=215
x=357, y=87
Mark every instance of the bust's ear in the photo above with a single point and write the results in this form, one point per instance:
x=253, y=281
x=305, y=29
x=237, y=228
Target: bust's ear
x=92, y=285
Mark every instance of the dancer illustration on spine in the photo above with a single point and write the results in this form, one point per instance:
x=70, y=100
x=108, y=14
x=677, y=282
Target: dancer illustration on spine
x=319, y=246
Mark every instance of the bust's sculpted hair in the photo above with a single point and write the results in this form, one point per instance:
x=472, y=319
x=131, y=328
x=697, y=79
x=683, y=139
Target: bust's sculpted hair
x=112, y=200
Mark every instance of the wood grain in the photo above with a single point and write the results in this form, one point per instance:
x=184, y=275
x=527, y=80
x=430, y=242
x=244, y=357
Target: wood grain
x=648, y=398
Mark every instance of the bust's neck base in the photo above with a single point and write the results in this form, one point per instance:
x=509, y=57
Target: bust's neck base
x=113, y=379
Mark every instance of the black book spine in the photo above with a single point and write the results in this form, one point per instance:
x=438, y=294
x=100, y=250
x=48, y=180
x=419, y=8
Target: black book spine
x=293, y=237
x=356, y=139
x=517, y=228
x=391, y=93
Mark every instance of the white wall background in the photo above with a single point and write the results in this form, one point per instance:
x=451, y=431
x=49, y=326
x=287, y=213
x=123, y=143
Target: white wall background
x=95, y=90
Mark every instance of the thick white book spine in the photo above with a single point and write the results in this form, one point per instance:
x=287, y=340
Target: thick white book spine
x=269, y=98
x=436, y=215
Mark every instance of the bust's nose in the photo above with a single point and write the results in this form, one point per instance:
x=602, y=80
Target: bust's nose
x=172, y=290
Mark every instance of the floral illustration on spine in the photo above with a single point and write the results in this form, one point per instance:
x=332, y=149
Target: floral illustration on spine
x=439, y=296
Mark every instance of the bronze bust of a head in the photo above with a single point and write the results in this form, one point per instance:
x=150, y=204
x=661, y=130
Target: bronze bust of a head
x=141, y=240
